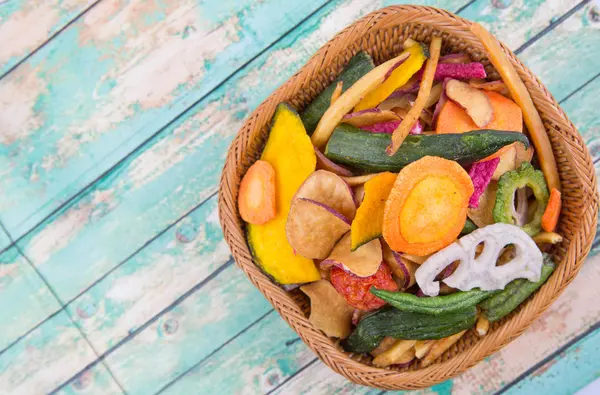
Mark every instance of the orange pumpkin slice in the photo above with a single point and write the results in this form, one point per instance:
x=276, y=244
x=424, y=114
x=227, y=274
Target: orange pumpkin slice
x=427, y=207
x=368, y=222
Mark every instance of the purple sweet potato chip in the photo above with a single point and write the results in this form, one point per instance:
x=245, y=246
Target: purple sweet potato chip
x=481, y=174
x=459, y=71
x=389, y=127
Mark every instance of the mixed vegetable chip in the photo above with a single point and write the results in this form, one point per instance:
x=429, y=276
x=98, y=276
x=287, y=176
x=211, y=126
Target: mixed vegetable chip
x=411, y=201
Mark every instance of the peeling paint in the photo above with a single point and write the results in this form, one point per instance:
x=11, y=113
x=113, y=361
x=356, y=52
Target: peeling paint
x=18, y=97
x=40, y=19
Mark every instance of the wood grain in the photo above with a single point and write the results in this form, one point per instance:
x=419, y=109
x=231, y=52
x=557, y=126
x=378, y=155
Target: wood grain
x=84, y=101
x=188, y=332
x=149, y=282
x=40, y=20
x=582, y=112
x=516, y=21
x=44, y=358
x=25, y=300
x=95, y=380
x=566, y=373
x=566, y=58
x=4, y=239
x=263, y=356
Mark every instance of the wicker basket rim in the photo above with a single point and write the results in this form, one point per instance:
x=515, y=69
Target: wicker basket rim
x=578, y=221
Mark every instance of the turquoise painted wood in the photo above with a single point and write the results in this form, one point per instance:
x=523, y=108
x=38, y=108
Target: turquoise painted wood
x=4, y=239
x=579, y=361
x=25, y=300
x=589, y=126
x=139, y=257
x=95, y=380
x=39, y=19
x=264, y=356
x=45, y=358
x=188, y=332
x=104, y=69
x=149, y=282
x=573, y=60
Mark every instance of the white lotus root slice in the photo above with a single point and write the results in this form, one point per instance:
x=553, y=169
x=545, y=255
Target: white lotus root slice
x=482, y=272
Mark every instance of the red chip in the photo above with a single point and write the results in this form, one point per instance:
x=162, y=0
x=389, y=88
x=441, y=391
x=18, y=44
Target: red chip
x=356, y=289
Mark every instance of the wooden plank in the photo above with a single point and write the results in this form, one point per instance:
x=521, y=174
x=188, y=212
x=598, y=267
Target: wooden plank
x=95, y=380
x=263, y=356
x=143, y=196
x=516, y=21
x=566, y=373
x=149, y=282
x=187, y=333
x=566, y=58
x=39, y=19
x=4, y=239
x=319, y=379
x=185, y=47
x=44, y=358
x=581, y=111
x=25, y=300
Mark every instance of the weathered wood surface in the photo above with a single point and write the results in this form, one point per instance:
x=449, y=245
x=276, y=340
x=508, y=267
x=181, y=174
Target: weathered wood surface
x=26, y=25
x=44, y=358
x=4, y=239
x=138, y=257
x=25, y=301
x=112, y=79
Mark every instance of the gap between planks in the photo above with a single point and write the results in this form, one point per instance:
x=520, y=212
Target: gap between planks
x=49, y=38
x=152, y=320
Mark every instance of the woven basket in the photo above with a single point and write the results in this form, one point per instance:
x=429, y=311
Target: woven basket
x=381, y=34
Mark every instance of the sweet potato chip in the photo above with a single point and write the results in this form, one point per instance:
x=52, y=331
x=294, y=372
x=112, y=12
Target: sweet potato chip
x=369, y=117
x=402, y=268
x=482, y=215
x=329, y=311
x=472, y=100
x=359, y=180
x=313, y=229
x=327, y=164
x=396, y=102
x=363, y=262
x=481, y=174
x=492, y=86
x=508, y=161
x=359, y=194
x=329, y=189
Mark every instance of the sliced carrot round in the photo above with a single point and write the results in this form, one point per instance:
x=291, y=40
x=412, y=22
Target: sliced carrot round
x=427, y=207
x=256, y=200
